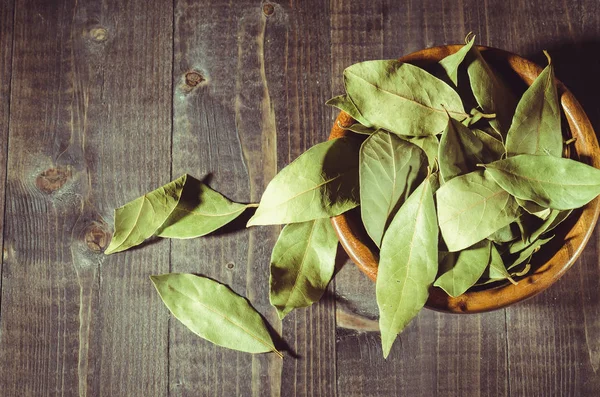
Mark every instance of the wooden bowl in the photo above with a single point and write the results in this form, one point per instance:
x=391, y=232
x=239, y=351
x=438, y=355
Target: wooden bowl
x=557, y=256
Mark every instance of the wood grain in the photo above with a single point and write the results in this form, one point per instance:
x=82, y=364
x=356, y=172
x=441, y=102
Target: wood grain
x=91, y=103
x=97, y=90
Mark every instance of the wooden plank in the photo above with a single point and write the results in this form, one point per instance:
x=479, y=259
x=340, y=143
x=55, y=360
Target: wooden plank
x=437, y=353
x=6, y=43
x=252, y=114
x=91, y=102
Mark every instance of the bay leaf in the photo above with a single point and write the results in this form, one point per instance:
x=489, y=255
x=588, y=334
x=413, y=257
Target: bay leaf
x=492, y=95
x=358, y=128
x=343, y=102
x=214, y=312
x=497, y=269
x=451, y=63
x=459, y=151
x=302, y=264
x=429, y=144
x=390, y=169
x=535, y=127
x=402, y=98
x=534, y=209
x=525, y=253
x=321, y=183
x=471, y=207
x=556, y=217
x=506, y=234
x=467, y=267
x=551, y=182
x=140, y=218
x=200, y=211
x=408, y=264
x=493, y=149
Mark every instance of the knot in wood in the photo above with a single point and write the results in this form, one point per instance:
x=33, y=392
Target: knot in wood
x=230, y=265
x=96, y=238
x=53, y=179
x=268, y=9
x=99, y=34
x=193, y=78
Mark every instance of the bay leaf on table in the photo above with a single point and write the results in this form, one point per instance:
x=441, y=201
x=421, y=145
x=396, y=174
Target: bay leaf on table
x=535, y=127
x=492, y=95
x=200, y=211
x=471, y=207
x=390, y=169
x=302, y=264
x=343, y=102
x=140, y=218
x=402, y=98
x=408, y=264
x=464, y=269
x=321, y=183
x=214, y=312
x=549, y=181
x=459, y=152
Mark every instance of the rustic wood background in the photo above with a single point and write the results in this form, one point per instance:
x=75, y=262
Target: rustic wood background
x=102, y=101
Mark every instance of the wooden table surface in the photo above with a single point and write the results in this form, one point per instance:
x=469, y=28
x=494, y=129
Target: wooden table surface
x=102, y=101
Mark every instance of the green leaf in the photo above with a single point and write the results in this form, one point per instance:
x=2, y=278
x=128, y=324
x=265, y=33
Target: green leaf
x=390, y=169
x=200, y=211
x=343, y=102
x=302, y=264
x=429, y=144
x=556, y=217
x=358, y=128
x=506, y=234
x=493, y=149
x=526, y=253
x=464, y=268
x=140, y=218
x=535, y=128
x=214, y=312
x=534, y=209
x=492, y=95
x=451, y=63
x=407, y=265
x=402, y=98
x=321, y=183
x=471, y=207
x=459, y=152
x=497, y=270
x=549, y=181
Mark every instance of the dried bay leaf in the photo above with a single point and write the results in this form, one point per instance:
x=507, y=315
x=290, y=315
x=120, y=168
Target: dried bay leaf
x=464, y=269
x=200, y=211
x=459, y=151
x=343, y=102
x=497, y=270
x=551, y=182
x=429, y=144
x=451, y=63
x=402, y=98
x=506, y=234
x=358, y=128
x=214, y=312
x=390, y=169
x=525, y=253
x=140, y=218
x=302, y=264
x=408, y=264
x=321, y=183
x=471, y=207
x=493, y=148
x=492, y=95
x=534, y=209
x=535, y=127
x=556, y=218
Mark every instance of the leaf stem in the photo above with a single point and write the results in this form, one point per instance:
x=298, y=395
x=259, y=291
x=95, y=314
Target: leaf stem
x=252, y=205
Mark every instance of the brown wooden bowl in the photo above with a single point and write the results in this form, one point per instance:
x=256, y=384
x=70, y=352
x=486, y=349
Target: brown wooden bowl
x=556, y=257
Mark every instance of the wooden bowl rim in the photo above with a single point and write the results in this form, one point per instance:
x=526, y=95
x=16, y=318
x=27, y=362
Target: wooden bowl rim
x=548, y=273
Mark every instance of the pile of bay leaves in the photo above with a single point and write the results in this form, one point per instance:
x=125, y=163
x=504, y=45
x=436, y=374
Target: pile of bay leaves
x=459, y=183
